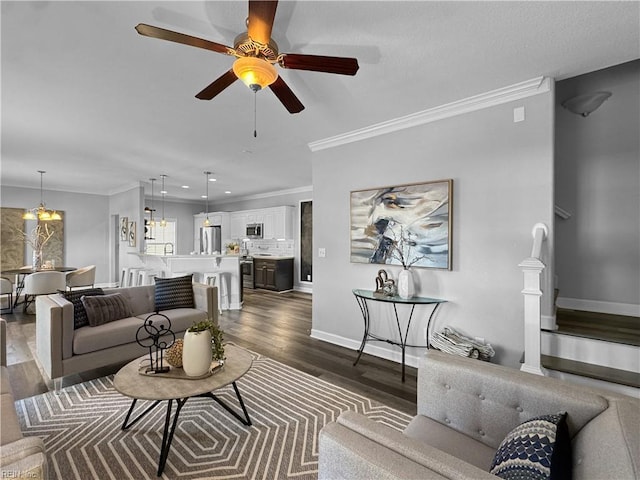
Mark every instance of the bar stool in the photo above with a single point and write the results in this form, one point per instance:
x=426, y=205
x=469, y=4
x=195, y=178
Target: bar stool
x=133, y=276
x=146, y=277
x=220, y=280
x=124, y=277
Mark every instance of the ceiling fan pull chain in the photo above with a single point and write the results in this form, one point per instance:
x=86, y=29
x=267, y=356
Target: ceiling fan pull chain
x=255, y=128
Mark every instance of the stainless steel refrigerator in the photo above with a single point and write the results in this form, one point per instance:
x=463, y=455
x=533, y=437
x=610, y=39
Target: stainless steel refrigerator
x=210, y=240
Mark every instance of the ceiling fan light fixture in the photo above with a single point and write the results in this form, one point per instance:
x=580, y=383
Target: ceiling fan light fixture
x=255, y=72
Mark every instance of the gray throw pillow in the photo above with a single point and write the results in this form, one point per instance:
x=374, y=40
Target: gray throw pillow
x=106, y=308
x=174, y=293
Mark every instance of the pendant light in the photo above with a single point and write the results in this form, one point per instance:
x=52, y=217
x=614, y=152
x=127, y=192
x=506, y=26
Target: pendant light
x=41, y=212
x=152, y=222
x=206, y=219
x=163, y=221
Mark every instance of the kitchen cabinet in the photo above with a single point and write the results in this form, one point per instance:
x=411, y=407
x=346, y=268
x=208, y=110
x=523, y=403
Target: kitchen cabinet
x=277, y=222
x=273, y=273
x=238, y=225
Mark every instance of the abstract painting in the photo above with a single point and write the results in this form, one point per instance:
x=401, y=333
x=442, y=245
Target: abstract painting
x=132, y=234
x=124, y=229
x=53, y=250
x=403, y=225
x=11, y=244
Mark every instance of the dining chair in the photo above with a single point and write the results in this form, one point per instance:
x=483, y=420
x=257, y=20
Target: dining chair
x=82, y=277
x=6, y=288
x=42, y=283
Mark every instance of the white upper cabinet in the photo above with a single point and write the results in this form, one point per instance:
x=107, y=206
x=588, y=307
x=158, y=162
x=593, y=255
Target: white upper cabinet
x=277, y=222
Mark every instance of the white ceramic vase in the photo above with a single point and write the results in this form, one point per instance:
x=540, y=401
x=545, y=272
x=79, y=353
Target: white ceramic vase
x=196, y=353
x=406, y=289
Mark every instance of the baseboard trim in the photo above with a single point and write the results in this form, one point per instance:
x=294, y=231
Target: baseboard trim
x=371, y=349
x=613, y=308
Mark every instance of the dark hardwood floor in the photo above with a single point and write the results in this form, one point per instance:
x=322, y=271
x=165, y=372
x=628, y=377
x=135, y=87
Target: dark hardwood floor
x=277, y=325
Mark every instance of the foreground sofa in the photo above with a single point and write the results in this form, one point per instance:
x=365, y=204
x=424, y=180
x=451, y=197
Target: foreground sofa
x=465, y=409
x=20, y=457
x=64, y=350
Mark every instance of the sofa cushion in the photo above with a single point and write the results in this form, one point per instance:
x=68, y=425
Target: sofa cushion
x=174, y=293
x=106, y=308
x=10, y=431
x=537, y=449
x=451, y=441
x=79, y=313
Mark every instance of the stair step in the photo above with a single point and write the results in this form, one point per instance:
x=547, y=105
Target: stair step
x=606, y=374
x=601, y=326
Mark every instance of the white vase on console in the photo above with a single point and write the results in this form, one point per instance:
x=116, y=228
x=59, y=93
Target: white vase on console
x=196, y=353
x=406, y=288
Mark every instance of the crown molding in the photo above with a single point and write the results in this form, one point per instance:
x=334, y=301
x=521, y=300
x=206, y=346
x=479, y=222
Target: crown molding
x=499, y=96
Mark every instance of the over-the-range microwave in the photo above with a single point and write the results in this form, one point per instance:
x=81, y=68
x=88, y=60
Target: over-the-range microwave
x=254, y=230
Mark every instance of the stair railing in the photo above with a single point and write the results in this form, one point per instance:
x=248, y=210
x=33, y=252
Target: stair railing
x=532, y=269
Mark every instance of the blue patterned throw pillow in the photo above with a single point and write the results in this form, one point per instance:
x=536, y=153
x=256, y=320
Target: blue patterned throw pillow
x=538, y=449
x=174, y=293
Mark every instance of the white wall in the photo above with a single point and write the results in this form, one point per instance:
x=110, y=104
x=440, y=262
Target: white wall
x=86, y=224
x=503, y=185
x=598, y=181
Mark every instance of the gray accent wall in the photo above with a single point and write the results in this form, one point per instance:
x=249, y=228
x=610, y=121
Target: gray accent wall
x=86, y=224
x=503, y=185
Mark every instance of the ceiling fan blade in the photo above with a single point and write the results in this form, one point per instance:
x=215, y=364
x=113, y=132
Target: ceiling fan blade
x=217, y=86
x=286, y=96
x=260, y=22
x=319, y=63
x=163, y=34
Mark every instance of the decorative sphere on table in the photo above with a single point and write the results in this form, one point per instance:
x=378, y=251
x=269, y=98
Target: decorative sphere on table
x=173, y=355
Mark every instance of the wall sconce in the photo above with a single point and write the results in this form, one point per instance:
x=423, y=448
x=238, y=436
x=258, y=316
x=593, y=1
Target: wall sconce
x=585, y=104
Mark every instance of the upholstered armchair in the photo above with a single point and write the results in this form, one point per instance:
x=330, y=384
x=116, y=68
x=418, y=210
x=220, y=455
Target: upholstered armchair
x=42, y=283
x=82, y=277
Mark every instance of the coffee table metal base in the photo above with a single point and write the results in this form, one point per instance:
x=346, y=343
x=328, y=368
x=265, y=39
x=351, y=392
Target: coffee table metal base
x=170, y=426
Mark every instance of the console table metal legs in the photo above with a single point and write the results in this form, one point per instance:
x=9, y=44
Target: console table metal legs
x=170, y=426
x=364, y=308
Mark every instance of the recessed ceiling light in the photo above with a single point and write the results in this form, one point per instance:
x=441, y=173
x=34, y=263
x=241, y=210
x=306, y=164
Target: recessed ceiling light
x=247, y=151
x=227, y=191
x=213, y=179
x=185, y=186
x=163, y=191
x=203, y=196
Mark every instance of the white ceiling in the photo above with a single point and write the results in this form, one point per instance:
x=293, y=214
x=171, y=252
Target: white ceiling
x=100, y=107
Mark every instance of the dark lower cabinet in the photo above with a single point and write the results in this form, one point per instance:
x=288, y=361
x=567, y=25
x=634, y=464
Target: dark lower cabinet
x=273, y=274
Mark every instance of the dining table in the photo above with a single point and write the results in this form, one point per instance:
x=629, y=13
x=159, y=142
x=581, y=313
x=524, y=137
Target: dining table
x=22, y=272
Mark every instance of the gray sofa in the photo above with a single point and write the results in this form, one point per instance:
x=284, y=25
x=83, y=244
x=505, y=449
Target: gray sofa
x=20, y=457
x=63, y=350
x=465, y=409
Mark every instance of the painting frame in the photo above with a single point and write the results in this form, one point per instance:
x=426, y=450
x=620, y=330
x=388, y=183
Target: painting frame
x=124, y=229
x=132, y=234
x=408, y=225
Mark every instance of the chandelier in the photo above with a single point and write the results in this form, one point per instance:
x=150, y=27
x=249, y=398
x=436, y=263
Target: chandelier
x=41, y=212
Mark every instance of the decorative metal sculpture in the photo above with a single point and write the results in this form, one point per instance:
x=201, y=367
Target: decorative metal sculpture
x=385, y=285
x=150, y=334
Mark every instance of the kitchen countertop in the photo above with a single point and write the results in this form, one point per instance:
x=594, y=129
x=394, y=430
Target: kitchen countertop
x=271, y=257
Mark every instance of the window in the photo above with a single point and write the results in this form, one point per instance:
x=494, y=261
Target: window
x=160, y=240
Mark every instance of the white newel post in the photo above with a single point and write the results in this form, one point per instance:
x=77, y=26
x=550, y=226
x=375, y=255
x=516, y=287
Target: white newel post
x=532, y=269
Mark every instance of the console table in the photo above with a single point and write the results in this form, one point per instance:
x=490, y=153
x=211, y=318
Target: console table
x=364, y=296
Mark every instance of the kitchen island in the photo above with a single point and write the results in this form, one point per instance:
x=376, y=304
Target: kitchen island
x=198, y=265
x=273, y=272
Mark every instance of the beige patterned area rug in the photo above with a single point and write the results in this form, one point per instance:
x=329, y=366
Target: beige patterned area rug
x=81, y=428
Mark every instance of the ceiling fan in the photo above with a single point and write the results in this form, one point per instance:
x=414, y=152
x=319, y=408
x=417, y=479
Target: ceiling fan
x=256, y=54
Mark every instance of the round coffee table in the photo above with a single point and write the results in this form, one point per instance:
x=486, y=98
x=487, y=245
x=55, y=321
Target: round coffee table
x=128, y=381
